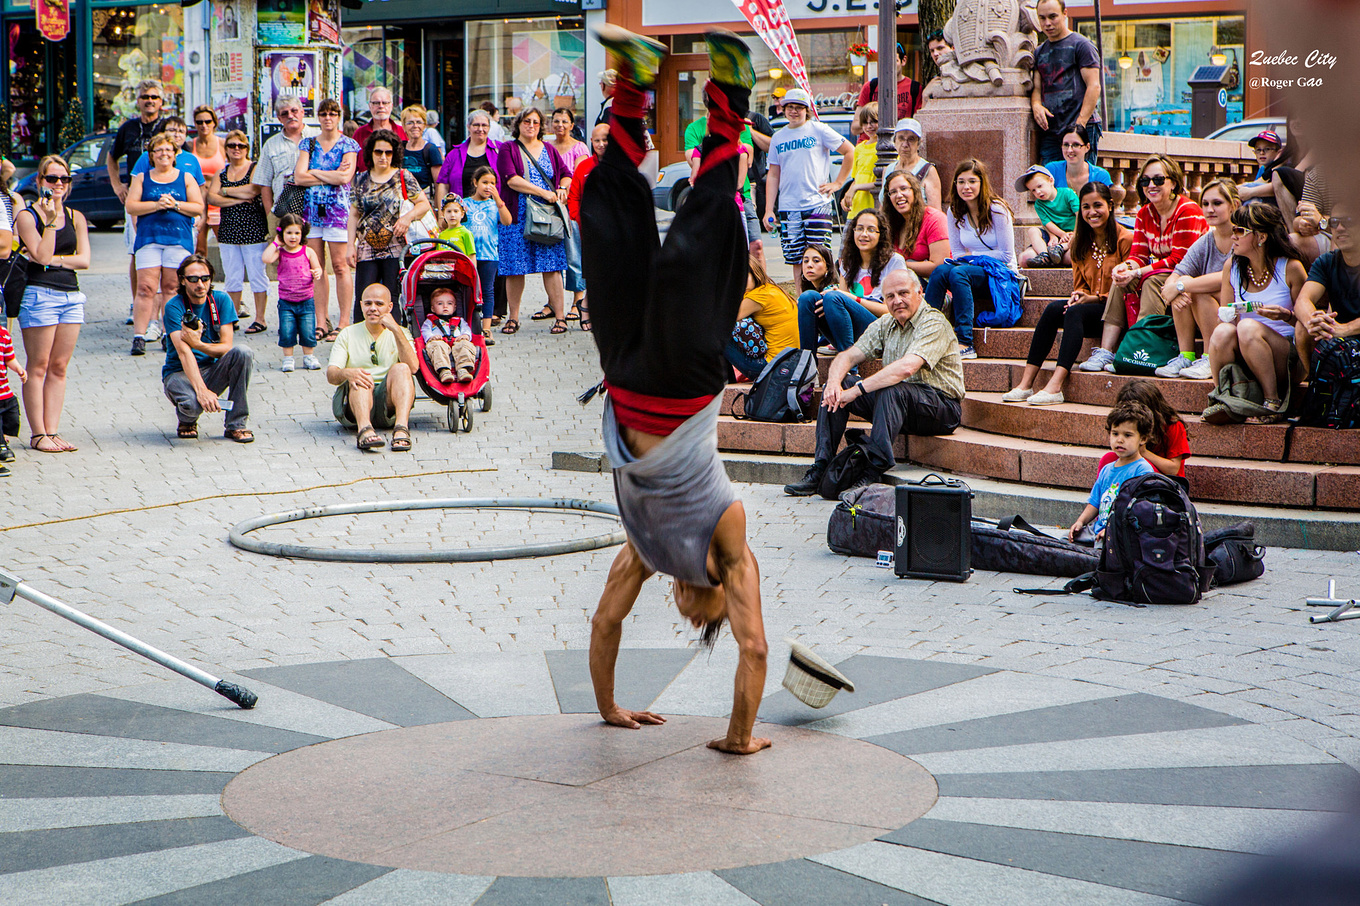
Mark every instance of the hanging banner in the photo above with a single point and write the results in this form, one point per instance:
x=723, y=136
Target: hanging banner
x=54, y=19
x=770, y=19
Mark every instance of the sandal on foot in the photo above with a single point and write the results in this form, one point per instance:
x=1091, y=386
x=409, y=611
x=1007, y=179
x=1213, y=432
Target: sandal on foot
x=511, y=326
x=322, y=332
x=559, y=326
x=65, y=445
x=542, y=315
x=187, y=430
x=257, y=327
x=37, y=440
x=585, y=317
x=401, y=439
x=574, y=314
x=368, y=439
x=240, y=435
x=331, y=335
x=497, y=320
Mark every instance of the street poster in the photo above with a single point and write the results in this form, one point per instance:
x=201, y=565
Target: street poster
x=281, y=22
x=290, y=72
x=323, y=21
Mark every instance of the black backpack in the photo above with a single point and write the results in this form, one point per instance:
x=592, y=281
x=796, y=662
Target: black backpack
x=783, y=392
x=1153, y=550
x=1333, y=398
x=1235, y=554
x=845, y=469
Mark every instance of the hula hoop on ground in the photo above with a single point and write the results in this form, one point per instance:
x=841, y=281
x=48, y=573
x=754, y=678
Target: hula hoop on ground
x=241, y=530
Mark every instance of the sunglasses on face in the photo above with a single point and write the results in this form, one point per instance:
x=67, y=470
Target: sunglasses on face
x=383, y=152
x=197, y=278
x=204, y=122
x=1145, y=181
x=236, y=146
x=150, y=97
x=1345, y=221
x=1238, y=232
x=52, y=180
x=327, y=113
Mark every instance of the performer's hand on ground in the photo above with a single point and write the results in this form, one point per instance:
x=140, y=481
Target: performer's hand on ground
x=753, y=745
x=632, y=720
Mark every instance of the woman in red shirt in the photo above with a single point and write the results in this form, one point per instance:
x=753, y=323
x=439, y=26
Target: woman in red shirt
x=1167, y=225
x=919, y=233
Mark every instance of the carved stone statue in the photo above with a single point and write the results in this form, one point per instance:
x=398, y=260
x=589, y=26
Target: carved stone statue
x=993, y=43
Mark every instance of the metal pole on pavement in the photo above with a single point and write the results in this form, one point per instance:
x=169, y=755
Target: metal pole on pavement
x=887, y=92
x=11, y=585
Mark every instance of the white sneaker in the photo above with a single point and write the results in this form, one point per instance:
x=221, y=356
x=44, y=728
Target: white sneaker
x=153, y=331
x=129, y=317
x=1100, y=357
x=1046, y=399
x=1017, y=396
x=311, y=363
x=1174, y=367
x=1198, y=370
x=287, y=363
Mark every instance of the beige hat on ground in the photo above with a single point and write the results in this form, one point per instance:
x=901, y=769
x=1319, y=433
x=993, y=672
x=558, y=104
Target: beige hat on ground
x=812, y=680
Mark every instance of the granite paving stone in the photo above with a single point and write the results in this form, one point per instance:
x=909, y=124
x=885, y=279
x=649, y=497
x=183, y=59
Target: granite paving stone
x=376, y=687
x=675, y=890
x=26, y=781
x=298, y=882
x=415, y=888
x=640, y=675
x=805, y=881
x=29, y=850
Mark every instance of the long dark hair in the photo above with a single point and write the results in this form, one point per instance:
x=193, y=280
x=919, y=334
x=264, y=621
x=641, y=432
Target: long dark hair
x=986, y=197
x=384, y=135
x=1147, y=393
x=1267, y=219
x=904, y=228
x=852, y=260
x=1084, y=238
x=833, y=272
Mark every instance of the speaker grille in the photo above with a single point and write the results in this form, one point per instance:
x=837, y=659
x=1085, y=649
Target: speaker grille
x=934, y=532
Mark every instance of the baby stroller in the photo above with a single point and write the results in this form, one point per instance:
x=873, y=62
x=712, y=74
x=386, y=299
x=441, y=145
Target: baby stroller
x=436, y=264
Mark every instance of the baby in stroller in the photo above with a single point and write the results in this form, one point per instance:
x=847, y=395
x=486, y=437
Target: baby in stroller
x=448, y=339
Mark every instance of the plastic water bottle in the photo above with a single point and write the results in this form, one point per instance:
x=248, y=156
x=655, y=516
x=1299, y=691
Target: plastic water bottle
x=1230, y=313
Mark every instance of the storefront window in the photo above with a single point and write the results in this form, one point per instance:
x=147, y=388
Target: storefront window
x=132, y=43
x=42, y=77
x=1148, y=64
x=375, y=55
x=521, y=63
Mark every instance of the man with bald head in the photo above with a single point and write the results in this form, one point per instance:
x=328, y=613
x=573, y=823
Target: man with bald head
x=919, y=389
x=372, y=368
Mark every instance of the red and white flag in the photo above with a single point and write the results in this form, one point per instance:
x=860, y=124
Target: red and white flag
x=771, y=21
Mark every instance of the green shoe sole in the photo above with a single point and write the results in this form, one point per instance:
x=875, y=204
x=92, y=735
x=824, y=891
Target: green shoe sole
x=640, y=57
x=729, y=59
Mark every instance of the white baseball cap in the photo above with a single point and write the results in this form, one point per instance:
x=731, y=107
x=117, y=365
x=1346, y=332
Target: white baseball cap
x=907, y=124
x=798, y=96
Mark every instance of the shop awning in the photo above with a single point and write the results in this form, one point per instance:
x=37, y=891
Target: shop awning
x=376, y=12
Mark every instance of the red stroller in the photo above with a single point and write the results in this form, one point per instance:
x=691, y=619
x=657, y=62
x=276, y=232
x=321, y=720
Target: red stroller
x=437, y=265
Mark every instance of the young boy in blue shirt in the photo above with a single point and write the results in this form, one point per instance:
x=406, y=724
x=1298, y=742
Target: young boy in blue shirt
x=1130, y=426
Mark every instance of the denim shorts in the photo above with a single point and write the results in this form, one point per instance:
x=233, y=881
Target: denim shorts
x=47, y=307
x=297, y=324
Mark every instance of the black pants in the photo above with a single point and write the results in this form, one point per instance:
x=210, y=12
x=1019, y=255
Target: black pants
x=910, y=408
x=663, y=314
x=386, y=271
x=1077, y=323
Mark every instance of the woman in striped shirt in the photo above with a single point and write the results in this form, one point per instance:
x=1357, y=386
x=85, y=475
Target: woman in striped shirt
x=1167, y=225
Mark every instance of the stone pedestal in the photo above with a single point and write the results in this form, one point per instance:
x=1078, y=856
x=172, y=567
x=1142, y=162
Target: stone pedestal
x=999, y=131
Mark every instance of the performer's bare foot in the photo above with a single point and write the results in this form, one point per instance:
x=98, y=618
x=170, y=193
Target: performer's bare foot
x=752, y=746
x=632, y=720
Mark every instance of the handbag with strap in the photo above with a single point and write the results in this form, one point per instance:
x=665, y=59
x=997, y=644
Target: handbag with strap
x=545, y=223
x=426, y=227
x=293, y=199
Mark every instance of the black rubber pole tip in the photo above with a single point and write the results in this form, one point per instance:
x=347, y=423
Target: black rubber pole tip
x=238, y=694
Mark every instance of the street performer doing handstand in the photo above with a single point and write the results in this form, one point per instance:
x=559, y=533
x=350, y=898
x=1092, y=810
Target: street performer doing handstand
x=662, y=316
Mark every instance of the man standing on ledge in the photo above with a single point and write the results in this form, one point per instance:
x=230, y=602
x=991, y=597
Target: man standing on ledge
x=662, y=317
x=1067, y=74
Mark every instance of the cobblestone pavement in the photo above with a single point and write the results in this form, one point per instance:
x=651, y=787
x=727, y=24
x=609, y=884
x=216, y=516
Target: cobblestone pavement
x=133, y=529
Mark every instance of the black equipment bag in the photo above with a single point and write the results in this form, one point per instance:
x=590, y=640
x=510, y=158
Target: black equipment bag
x=862, y=523
x=846, y=467
x=1333, y=397
x=1015, y=546
x=1235, y=554
x=783, y=392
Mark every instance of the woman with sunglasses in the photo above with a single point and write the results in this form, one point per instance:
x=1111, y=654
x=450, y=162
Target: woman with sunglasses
x=1168, y=223
x=377, y=227
x=212, y=157
x=165, y=200
x=1268, y=272
x=326, y=165
x=243, y=228
x=57, y=243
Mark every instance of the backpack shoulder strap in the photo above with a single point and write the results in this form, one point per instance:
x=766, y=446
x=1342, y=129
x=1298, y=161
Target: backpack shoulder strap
x=1082, y=583
x=1019, y=522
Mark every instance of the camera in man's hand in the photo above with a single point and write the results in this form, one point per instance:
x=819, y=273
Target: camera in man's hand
x=190, y=321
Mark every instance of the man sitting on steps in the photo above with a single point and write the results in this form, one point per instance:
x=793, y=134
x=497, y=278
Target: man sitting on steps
x=918, y=390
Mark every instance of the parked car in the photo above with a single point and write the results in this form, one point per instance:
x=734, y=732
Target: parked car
x=90, y=193
x=672, y=185
x=1247, y=130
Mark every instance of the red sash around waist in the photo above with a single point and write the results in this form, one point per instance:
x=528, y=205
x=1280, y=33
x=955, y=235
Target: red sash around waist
x=656, y=415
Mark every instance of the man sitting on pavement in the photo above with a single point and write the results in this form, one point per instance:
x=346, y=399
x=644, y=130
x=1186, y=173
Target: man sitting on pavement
x=201, y=361
x=918, y=390
x=372, y=367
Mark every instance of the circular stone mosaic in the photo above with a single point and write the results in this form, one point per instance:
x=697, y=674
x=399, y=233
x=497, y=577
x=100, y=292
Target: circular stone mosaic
x=568, y=796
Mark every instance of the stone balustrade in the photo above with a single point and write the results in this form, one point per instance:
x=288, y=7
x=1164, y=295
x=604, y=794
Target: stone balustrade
x=1123, y=153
